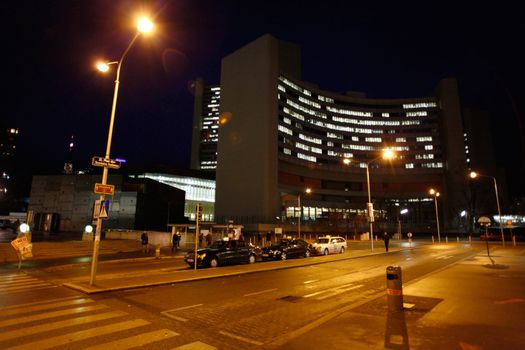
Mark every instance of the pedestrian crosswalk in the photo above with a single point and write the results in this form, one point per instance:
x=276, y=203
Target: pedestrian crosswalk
x=20, y=282
x=82, y=323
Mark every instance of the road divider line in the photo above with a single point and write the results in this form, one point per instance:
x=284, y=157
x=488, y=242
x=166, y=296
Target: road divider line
x=238, y=337
x=261, y=292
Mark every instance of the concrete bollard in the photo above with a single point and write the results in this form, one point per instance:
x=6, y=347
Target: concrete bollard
x=157, y=252
x=432, y=239
x=457, y=239
x=514, y=240
x=446, y=239
x=394, y=288
x=469, y=239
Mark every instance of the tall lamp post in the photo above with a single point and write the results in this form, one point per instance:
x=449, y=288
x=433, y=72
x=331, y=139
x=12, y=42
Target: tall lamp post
x=435, y=194
x=143, y=26
x=307, y=191
x=473, y=175
x=386, y=154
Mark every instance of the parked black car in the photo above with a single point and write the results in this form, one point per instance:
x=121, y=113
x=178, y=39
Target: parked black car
x=222, y=253
x=287, y=248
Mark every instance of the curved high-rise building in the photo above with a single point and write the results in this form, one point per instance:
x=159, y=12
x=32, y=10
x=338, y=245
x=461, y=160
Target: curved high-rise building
x=279, y=135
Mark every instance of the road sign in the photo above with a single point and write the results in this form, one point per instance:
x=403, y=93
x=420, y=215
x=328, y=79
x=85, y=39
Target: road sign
x=104, y=209
x=23, y=247
x=104, y=189
x=105, y=162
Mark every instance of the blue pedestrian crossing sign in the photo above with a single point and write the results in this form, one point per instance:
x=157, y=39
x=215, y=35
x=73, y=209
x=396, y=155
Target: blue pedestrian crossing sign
x=104, y=209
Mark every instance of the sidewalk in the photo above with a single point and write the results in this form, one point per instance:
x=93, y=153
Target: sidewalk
x=473, y=305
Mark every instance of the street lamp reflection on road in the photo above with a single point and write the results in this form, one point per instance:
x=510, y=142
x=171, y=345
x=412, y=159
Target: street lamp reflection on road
x=474, y=175
x=435, y=194
x=143, y=26
x=387, y=154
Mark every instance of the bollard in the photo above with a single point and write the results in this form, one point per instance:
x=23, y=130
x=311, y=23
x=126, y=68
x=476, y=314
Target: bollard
x=446, y=239
x=394, y=288
x=157, y=252
x=469, y=239
x=514, y=240
x=432, y=239
x=457, y=239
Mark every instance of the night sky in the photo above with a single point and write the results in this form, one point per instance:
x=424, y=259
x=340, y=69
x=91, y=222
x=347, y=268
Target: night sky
x=387, y=49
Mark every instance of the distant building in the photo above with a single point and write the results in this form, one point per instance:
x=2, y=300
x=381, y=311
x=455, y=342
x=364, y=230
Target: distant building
x=8, y=140
x=205, y=133
x=65, y=203
x=281, y=134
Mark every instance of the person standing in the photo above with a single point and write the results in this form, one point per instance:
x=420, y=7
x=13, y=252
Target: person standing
x=209, y=239
x=145, y=240
x=386, y=238
x=174, y=242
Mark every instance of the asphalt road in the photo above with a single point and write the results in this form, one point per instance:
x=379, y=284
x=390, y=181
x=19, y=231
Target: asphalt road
x=240, y=312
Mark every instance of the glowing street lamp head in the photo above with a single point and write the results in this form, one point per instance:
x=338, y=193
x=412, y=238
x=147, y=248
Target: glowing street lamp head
x=308, y=190
x=144, y=25
x=103, y=67
x=473, y=175
x=388, y=154
x=347, y=161
x=432, y=191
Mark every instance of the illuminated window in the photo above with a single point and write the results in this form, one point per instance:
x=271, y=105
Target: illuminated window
x=285, y=130
x=385, y=115
x=306, y=157
x=419, y=105
x=417, y=114
x=429, y=147
x=409, y=165
x=401, y=139
x=424, y=138
x=372, y=139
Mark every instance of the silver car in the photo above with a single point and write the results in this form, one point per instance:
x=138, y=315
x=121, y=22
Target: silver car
x=329, y=245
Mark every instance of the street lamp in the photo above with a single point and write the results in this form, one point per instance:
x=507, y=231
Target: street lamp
x=401, y=212
x=387, y=154
x=307, y=191
x=435, y=194
x=473, y=175
x=143, y=26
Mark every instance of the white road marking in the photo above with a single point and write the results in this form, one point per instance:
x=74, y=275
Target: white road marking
x=168, y=313
x=261, y=292
x=21, y=332
x=311, y=281
x=69, y=338
x=339, y=291
x=238, y=337
x=41, y=305
x=326, y=290
x=136, y=340
x=195, y=346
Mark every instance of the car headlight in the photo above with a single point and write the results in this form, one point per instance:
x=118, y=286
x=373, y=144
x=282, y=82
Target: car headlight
x=202, y=256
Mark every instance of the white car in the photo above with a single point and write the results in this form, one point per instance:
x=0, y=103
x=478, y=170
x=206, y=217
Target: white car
x=329, y=245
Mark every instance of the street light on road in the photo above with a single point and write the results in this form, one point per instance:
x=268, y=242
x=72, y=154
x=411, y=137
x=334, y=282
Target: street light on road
x=474, y=175
x=144, y=25
x=387, y=154
x=307, y=191
x=435, y=194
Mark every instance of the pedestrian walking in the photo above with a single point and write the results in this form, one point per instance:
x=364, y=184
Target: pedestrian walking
x=174, y=242
x=386, y=238
x=145, y=242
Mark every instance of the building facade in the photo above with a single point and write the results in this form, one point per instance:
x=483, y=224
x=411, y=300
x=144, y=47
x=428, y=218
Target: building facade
x=279, y=135
x=205, y=133
x=65, y=203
